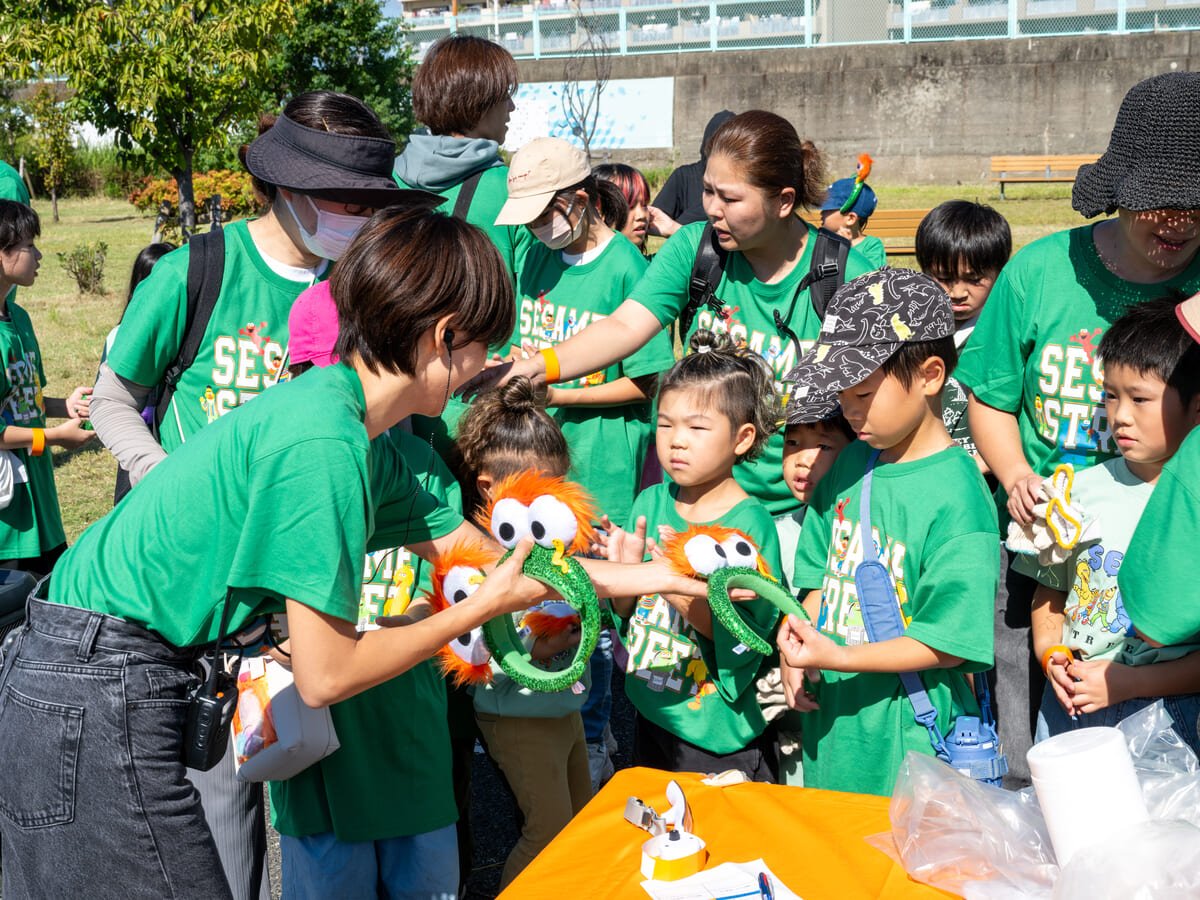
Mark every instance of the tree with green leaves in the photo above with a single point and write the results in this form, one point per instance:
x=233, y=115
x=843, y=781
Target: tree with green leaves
x=169, y=78
x=352, y=47
x=52, y=145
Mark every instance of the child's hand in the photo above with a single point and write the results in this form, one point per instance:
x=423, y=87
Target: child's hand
x=79, y=403
x=1060, y=682
x=659, y=223
x=1024, y=494
x=794, y=690
x=69, y=434
x=801, y=646
x=623, y=546
x=1098, y=683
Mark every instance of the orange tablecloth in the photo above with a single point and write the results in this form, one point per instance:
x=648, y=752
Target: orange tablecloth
x=812, y=840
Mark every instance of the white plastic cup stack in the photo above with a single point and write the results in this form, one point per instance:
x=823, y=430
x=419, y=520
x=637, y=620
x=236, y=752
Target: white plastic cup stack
x=1086, y=786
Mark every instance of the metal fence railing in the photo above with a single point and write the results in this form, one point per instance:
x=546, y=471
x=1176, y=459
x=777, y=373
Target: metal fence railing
x=555, y=28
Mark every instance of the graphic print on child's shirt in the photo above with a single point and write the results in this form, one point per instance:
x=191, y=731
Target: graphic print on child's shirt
x=663, y=652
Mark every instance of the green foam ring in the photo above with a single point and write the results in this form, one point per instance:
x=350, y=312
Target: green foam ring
x=578, y=591
x=722, y=581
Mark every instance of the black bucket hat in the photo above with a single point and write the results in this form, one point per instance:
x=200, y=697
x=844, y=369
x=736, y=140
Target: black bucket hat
x=868, y=320
x=1153, y=155
x=343, y=167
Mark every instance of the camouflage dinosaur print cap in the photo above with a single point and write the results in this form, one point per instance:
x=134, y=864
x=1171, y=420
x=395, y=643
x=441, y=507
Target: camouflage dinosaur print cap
x=867, y=321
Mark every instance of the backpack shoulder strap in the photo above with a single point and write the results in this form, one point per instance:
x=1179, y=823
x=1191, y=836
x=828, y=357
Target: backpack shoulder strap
x=880, y=610
x=466, y=194
x=707, y=269
x=827, y=270
x=206, y=268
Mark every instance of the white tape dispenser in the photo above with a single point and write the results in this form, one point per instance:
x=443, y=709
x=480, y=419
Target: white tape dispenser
x=674, y=851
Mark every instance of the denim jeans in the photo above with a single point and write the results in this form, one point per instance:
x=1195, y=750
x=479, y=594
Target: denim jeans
x=418, y=867
x=94, y=801
x=1184, y=710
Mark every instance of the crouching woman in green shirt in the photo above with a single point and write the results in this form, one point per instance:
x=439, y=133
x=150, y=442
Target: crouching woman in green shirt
x=271, y=508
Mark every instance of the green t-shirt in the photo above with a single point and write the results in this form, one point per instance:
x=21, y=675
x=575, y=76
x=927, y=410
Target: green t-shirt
x=274, y=502
x=748, y=317
x=31, y=523
x=698, y=689
x=243, y=349
x=936, y=529
x=511, y=240
x=1034, y=351
x=11, y=185
x=1156, y=576
x=1097, y=626
x=872, y=250
x=556, y=301
x=392, y=775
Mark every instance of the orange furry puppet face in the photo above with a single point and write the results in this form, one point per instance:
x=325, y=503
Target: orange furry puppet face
x=703, y=549
x=555, y=512
x=456, y=575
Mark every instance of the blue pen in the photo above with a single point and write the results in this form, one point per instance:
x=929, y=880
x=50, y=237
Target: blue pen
x=765, y=890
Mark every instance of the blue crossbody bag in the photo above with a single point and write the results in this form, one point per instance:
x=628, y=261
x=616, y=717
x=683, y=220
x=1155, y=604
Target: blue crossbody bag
x=973, y=747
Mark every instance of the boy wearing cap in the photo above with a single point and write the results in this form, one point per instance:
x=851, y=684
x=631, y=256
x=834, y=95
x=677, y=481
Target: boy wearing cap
x=850, y=219
x=886, y=347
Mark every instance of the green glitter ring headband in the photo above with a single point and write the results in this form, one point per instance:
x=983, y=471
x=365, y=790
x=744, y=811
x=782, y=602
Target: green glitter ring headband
x=570, y=580
x=722, y=581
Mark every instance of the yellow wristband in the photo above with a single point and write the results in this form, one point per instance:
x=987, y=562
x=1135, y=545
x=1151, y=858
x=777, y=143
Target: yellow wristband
x=551, y=360
x=1050, y=651
x=39, y=442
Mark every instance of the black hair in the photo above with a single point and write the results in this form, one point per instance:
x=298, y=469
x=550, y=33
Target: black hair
x=505, y=431
x=836, y=423
x=144, y=262
x=603, y=195
x=18, y=224
x=1151, y=340
x=736, y=382
x=963, y=238
x=906, y=362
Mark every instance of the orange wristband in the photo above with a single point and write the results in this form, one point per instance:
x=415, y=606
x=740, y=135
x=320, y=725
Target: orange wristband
x=551, y=360
x=1050, y=651
x=39, y=442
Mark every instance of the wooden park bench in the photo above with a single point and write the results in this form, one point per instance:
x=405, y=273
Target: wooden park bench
x=1038, y=169
x=897, y=228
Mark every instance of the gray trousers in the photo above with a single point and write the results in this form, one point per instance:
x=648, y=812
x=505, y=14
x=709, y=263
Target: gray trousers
x=1018, y=678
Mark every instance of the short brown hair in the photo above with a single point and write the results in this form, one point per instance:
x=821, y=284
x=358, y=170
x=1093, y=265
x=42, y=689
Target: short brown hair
x=460, y=79
x=408, y=268
x=770, y=151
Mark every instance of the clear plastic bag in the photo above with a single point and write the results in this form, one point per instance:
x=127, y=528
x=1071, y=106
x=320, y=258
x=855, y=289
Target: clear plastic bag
x=985, y=843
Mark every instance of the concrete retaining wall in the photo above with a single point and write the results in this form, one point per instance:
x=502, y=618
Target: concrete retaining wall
x=928, y=112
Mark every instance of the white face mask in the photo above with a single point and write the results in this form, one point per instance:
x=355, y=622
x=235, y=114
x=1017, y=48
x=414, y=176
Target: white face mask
x=334, y=231
x=560, y=233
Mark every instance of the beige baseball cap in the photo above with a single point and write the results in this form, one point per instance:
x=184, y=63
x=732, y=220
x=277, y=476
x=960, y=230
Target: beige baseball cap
x=538, y=171
x=1188, y=313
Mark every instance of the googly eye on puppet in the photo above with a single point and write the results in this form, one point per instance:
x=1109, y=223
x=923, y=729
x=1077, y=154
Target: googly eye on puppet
x=558, y=515
x=727, y=559
x=457, y=574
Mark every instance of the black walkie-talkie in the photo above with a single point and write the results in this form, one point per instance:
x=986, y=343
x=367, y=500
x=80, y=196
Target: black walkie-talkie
x=210, y=707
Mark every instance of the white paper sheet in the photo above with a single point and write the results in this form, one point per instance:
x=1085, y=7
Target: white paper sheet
x=724, y=882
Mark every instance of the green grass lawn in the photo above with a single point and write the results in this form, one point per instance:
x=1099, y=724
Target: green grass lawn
x=71, y=327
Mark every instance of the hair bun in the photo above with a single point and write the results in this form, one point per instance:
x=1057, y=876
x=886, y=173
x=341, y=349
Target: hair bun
x=705, y=341
x=518, y=395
